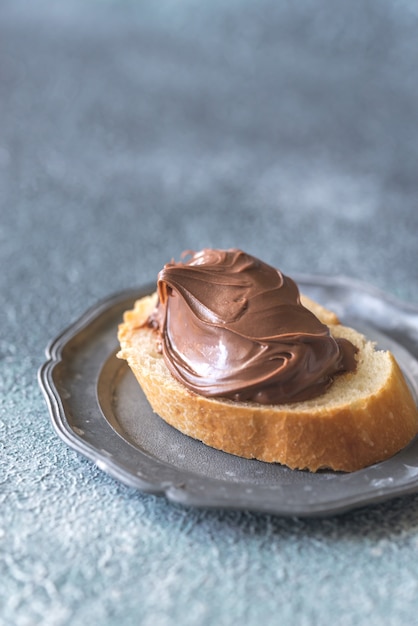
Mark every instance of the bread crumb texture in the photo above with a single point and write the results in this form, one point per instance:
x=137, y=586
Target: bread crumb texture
x=364, y=417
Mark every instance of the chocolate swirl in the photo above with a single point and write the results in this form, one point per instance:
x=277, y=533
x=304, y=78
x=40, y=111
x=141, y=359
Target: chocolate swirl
x=232, y=326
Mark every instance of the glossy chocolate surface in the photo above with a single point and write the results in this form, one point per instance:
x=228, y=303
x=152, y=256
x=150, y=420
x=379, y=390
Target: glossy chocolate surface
x=233, y=326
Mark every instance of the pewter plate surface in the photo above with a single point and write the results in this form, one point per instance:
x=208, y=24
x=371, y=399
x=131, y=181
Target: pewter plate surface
x=98, y=409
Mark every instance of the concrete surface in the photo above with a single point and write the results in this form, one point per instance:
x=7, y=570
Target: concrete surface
x=130, y=131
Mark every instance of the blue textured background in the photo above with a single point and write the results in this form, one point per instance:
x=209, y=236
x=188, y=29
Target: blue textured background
x=130, y=131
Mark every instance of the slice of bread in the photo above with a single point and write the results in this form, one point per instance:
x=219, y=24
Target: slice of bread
x=364, y=417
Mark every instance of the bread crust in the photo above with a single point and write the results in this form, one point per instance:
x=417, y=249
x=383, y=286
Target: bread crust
x=338, y=430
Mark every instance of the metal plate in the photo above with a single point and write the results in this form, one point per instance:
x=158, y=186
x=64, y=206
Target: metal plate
x=98, y=408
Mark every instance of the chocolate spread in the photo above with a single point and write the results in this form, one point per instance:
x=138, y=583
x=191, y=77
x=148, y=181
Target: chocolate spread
x=232, y=326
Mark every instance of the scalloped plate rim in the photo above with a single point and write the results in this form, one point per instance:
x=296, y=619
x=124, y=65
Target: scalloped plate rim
x=175, y=492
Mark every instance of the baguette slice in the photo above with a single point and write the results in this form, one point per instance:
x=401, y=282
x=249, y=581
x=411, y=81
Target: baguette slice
x=364, y=417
